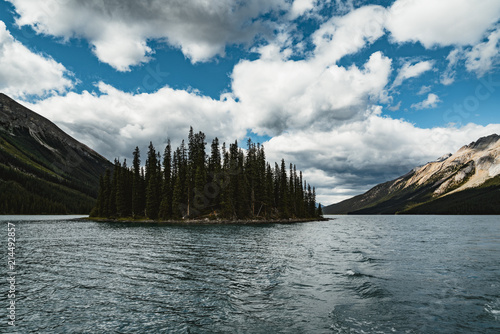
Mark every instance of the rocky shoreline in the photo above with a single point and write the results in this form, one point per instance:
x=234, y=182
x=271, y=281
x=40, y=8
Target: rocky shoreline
x=207, y=221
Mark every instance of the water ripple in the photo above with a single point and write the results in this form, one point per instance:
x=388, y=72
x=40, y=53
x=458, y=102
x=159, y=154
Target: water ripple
x=357, y=274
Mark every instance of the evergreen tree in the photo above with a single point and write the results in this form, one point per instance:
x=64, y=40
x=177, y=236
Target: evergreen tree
x=260, y=187
x=229, y=183
x=167, y=193
x=99, y=208
x=106, y=193
x=180, y=191
x=269, y=202
x=138, y=201
x=242, y=203
x=319, y=212
x=121, y=191
x=284, y=191
x=177, y=198
x=152, y=190
x=128, y=188
x=214, y=176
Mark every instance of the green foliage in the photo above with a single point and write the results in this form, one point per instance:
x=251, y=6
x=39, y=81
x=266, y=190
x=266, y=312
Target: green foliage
x=473, y=201
x=190, y=184
x=22, y=193
x=61, y=164
x=42, y=169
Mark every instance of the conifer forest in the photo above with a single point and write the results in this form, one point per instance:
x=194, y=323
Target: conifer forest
x=229, y=183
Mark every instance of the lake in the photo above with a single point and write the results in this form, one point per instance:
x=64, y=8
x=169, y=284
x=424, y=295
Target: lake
x=354, y=274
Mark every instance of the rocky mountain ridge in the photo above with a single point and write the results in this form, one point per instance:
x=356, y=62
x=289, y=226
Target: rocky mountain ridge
x=474, y=170
x=43, y=169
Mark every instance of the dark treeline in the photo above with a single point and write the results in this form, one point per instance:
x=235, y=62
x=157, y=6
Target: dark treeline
x=188, y=183
x=22, y=193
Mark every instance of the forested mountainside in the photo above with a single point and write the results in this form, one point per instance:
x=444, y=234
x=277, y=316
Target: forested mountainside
x=43, y=170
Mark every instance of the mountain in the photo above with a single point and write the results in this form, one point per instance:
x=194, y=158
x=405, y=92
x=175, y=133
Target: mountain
x=467, y=182
x=42, y=169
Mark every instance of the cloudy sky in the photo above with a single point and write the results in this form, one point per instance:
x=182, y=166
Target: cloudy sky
x=353, y=92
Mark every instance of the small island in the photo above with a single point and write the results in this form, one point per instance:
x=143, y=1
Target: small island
x=185, y=185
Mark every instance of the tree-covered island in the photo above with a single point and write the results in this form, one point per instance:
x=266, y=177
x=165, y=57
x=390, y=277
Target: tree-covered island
x=185, y=183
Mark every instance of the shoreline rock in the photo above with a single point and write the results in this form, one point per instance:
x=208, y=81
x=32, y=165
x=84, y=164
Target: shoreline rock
x=207, y=221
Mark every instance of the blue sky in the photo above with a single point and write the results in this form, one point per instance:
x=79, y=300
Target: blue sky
x=354, y=92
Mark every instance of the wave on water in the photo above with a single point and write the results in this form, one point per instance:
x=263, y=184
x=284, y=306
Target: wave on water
x=364, y=285
x=343, y=321
x=352, y=273
x=493, y=309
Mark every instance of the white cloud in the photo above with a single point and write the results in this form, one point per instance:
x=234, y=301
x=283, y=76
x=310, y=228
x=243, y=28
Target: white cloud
x=408, y=71
x=349, y=159
x=341, y=162
x=24, y=73
x=323, y=115
x=344, y=35
x=448, y=77
x=484, y=56
x=114, y=122
x=396, y=107
x=430, y=102
x=119, y=30
x=443, y=22
x=424, y=90
x=300, y=7
x=276, y=95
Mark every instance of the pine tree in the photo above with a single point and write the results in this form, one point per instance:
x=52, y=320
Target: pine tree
x=152, y=189
x=98, y=210
x=229, y=183
x=121, y=195
x=270, y=204
x=137, y=186
x=177, y=198
x=243, y=199
x=313, y=203
x=106, y=193
x=112, y=190
x=214, y=176
x=167, y=193
x=284, y=191
x=260, y=187
x=319, y=212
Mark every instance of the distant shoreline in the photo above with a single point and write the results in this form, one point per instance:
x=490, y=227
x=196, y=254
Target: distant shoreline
x=208, y=221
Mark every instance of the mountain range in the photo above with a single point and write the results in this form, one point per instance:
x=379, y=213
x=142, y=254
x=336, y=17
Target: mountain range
x=43, y=170
x=467, y=182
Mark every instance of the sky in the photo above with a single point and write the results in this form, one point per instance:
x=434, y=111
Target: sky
x=354, y=93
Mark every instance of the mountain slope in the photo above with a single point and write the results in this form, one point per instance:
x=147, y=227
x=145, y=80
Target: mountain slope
x=467, y=182
x=42, y=169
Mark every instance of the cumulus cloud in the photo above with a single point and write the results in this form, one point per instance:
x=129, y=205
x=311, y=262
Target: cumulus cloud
x=349, y=159
x=442, y=23
x=277, y=93
x=299, y=7
x=113, y=122
x=408, y=71
x=24, y=73
x=344, y=35
x=484, y=56
x=323, y=115
x=342, y=161
x=118, y=30
x=430, y=102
